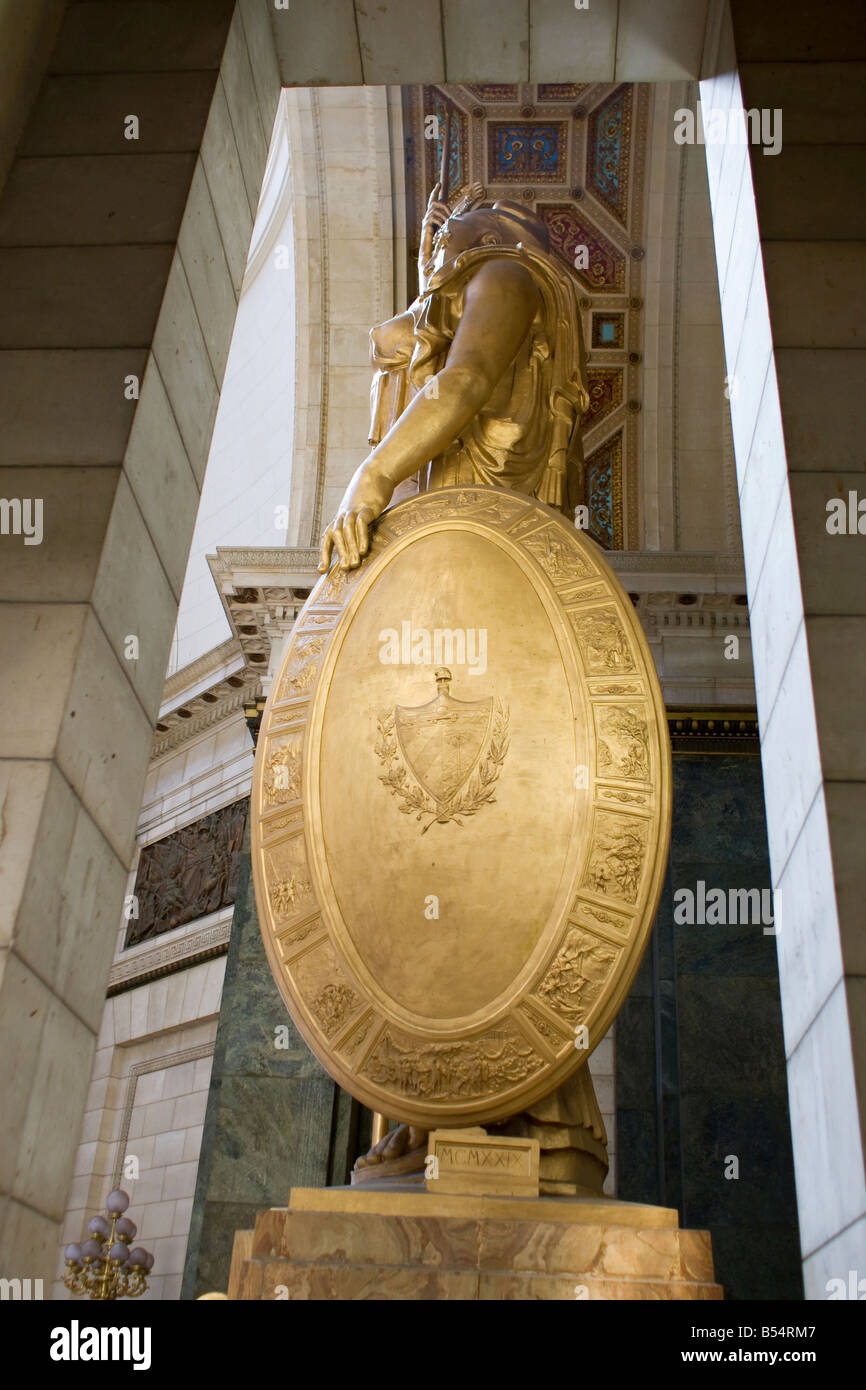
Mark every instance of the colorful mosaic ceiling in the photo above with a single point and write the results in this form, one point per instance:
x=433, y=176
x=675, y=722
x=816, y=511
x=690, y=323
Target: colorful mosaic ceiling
x=575, y=154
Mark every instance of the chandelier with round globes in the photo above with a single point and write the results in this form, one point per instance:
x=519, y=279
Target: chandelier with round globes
x=104, y=1266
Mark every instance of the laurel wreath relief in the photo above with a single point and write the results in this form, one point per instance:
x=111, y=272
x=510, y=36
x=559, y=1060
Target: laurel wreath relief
x=479, y=789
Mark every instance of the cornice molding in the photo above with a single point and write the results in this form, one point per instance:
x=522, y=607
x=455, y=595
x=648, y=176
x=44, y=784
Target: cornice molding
x=281, y=559
x=697, y=562
x=178, y=730
x=197, y=670
x=720, y=732
x=193, y=949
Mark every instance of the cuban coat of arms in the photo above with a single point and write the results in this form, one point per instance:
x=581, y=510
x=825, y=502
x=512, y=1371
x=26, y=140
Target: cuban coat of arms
x=442, y=759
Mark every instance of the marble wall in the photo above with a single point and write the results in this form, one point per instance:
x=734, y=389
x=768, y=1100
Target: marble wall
x=151, y=1070
x=700, y=1062
x=790, y=234
x=144, y=1115
x=274, y=1119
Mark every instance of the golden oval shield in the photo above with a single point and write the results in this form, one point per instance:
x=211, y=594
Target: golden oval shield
x=461, y=809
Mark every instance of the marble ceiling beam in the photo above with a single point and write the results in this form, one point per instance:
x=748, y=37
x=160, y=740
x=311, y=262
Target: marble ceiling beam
x=341, y=43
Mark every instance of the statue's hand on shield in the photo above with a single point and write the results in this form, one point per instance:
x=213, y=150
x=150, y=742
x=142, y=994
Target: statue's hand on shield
x=366, y=497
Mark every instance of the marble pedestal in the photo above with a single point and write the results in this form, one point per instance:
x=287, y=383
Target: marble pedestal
x=397, y=1241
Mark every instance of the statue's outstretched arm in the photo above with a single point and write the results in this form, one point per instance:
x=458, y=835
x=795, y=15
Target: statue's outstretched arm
x=499, y=305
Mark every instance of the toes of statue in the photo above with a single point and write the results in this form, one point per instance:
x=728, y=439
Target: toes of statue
x=397, y=1142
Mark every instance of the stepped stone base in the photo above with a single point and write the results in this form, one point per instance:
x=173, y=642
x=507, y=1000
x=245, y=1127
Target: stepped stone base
x=396, y=1241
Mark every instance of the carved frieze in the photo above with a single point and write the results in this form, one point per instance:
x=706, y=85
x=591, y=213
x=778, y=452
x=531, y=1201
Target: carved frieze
x=190, y=873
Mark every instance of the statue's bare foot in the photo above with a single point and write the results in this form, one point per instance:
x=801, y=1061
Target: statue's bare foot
x=403, y=1150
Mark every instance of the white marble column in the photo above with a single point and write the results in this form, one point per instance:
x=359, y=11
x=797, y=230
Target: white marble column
x=792, y=269
x=120, y=265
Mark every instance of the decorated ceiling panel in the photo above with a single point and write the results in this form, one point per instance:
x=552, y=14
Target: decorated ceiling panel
x=575, y=154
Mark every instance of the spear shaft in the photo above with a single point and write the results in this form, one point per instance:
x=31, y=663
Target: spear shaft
x=445, y=163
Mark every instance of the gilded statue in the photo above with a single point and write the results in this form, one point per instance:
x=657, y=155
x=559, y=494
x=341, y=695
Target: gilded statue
x=482, y=381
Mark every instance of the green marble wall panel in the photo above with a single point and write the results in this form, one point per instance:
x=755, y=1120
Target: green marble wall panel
x=700, y=1063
